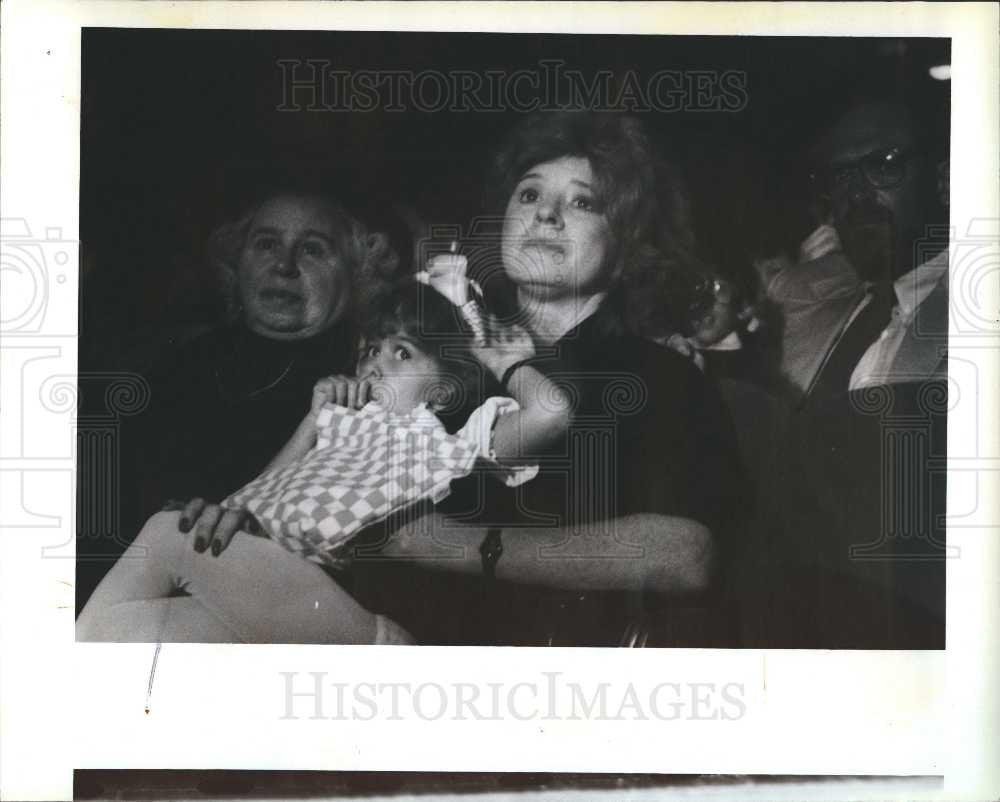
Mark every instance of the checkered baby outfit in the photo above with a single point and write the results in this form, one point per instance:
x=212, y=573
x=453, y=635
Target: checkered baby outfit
x=367, y=464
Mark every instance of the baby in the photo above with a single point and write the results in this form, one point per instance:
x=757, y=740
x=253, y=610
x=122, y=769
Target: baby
x=369, y=446
x=376, y=443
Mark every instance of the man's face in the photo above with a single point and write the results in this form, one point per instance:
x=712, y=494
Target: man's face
x=880, y=192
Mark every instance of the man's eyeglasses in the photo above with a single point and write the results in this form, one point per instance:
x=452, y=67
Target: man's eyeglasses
x=882, y=169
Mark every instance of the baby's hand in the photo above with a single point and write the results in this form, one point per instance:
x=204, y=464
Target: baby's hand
x=446, y=274
x=344, y=391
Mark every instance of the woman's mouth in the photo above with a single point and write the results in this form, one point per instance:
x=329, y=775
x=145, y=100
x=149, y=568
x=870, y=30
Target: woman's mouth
x=553, y=246
x=280, y=296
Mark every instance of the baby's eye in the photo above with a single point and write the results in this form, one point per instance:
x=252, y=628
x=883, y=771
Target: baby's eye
x=528, y=195
x=265, y=243
x=402, y=353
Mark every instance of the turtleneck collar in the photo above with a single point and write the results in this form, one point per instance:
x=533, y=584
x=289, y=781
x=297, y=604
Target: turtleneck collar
x=251, y=364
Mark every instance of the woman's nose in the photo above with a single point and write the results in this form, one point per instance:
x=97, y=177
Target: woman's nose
x=548, y=212
x=285, y=263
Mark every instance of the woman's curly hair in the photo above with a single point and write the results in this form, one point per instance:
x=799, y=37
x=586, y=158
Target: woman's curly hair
x=645, y=201
x=372, y=259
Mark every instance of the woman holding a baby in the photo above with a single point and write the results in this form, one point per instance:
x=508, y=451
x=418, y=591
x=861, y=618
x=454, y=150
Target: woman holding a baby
x=618, y=472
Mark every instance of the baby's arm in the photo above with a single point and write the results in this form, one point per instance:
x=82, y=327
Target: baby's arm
x=345, y=391
x=544, y=416
x=302, y=441
x=545, y=409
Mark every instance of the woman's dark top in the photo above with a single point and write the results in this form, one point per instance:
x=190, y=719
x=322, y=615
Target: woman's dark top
x=649, y=435
x=220, y=407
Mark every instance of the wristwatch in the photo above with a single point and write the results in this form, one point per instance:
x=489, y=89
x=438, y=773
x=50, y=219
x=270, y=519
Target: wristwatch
x=490, y=551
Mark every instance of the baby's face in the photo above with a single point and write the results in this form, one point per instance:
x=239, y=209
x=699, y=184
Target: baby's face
x=402, y=375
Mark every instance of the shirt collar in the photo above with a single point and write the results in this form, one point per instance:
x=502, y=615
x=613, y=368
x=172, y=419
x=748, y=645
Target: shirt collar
x=731, y=342
x=913, y=288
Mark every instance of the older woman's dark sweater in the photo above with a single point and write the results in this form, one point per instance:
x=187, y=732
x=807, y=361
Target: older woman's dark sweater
x=220, y=407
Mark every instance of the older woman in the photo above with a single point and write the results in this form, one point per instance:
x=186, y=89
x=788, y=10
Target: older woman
x=294, y=270
x=620, y=537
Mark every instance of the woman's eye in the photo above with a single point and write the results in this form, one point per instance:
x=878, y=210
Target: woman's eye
x=373, y=351
x=265, y=244
x=528, y=195
x=314, y=249
x=402, y=353
x=585, y=203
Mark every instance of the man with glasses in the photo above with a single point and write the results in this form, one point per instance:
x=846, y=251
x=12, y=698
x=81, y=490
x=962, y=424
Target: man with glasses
x=867, y=328
x=879, y=185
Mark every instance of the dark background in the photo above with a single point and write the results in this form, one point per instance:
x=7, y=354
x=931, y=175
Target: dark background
x=180, y=128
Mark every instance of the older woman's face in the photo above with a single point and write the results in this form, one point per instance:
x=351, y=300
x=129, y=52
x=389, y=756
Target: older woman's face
x=294, y=281
x=556, y=236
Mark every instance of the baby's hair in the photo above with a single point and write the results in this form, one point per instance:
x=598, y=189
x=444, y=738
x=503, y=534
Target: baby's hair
x=425, y=316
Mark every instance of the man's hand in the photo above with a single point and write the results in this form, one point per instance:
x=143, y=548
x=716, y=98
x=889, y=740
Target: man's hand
x=822, y=241
x=683, y=346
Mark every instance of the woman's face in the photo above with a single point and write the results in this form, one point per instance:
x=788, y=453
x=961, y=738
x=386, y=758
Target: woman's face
x=294, y=281
x=557, y=240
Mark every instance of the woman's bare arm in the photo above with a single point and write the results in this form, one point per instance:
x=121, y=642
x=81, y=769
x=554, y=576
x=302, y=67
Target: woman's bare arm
x=643, y=551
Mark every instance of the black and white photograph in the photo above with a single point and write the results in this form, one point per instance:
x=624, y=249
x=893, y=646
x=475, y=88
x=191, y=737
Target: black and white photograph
x=494, y=339
x=578, y=339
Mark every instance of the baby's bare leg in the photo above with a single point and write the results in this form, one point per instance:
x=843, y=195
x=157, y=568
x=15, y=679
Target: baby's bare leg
x=254, y=590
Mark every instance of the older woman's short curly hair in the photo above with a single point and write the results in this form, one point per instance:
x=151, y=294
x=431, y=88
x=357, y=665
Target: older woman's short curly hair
x=372, y=259
x=645, y=201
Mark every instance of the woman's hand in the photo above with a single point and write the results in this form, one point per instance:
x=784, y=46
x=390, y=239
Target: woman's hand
x=214, y=526
x=504, y=345
x=344, y=391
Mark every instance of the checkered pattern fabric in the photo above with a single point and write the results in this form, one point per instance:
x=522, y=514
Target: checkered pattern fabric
x=367, y=464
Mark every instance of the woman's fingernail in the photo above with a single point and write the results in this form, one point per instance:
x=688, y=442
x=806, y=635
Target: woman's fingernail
x=216, y=548
x=199, y=544
x=184, y=525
